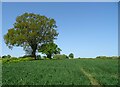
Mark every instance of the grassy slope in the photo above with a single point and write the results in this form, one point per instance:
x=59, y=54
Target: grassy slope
x=64, y=72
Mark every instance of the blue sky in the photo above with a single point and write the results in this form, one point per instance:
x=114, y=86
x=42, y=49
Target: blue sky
x=0, y=28
x=86, y=29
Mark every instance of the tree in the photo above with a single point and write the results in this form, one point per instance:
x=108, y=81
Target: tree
x=31, y=30
x=4, y=56
x=50, y=49
x=8, y=56
x=71, y=55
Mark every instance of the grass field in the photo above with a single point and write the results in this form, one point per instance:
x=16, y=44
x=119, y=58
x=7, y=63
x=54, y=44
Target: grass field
x=61, y=72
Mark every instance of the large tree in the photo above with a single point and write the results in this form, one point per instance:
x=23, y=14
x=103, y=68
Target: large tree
x=49, y=49
x=31, y=30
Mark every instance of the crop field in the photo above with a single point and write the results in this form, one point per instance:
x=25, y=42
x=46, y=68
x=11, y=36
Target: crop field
x=61, y=72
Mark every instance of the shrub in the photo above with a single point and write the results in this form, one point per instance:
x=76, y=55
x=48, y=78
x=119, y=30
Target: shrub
x=8, y=56
x=4, y=56
x=38, y=57
x=115, y=57
x=25, y=59
x=79, y=58
x=44, y=57
x=58, y=56
x=118, y=57
x=103, y=57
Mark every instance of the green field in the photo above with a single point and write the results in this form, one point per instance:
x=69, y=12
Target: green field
x=61, y=72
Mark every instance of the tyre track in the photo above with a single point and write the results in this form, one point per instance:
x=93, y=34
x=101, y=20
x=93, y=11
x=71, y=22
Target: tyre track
x=90, y=77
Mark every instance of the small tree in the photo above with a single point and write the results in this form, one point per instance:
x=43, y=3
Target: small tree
x=71, y=55
x=49, y=49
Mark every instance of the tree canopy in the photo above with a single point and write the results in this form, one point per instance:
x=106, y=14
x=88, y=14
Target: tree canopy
x=31, y=30
x=49, y=49
x=71, y=55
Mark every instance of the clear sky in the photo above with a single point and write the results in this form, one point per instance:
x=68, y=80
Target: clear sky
x=86, y=29
x=0, y=29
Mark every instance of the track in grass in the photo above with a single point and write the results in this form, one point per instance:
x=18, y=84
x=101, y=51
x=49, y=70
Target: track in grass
x=92, y=80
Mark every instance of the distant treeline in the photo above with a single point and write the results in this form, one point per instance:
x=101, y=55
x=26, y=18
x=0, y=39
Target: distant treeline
x=62, y=56
x=108, y=57
x=56, y=56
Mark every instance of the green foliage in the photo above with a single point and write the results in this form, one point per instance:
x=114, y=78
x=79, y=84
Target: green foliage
x=71, y=55
x=49, y=49
x=101, y=57
x=79, y=58
x=115, y=57
x=4, y=56
x=59, y=56
x=8, y=56
x=118, y=57
x=31, y=30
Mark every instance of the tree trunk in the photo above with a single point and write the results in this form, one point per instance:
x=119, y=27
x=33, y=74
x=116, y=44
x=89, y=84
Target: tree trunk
x=49, y=56
x=34, y=54
x=34, y=48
